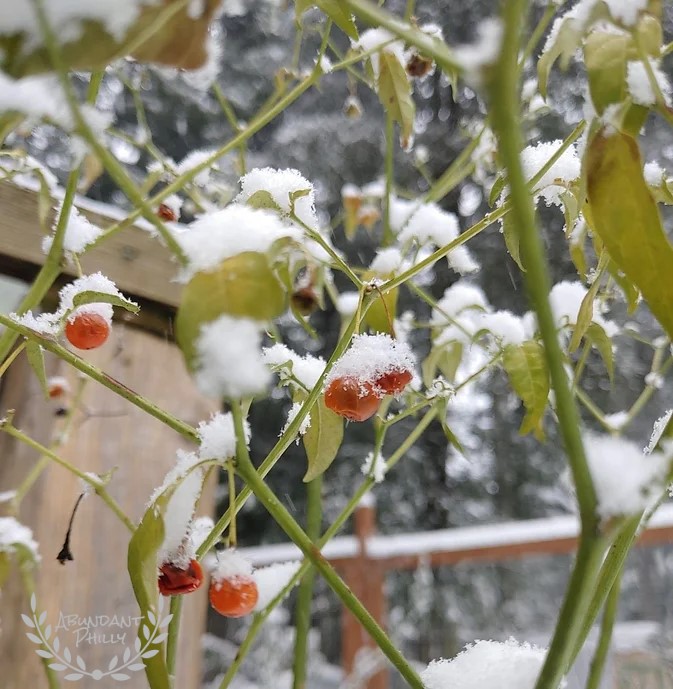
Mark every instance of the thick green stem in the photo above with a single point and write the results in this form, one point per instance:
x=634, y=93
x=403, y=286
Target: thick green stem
x=173, y=635
x=305, y=593
x=503, y=89
x=332, y=531
x=103, y=378
x=610, y=570
x=607, y=625
x=286, y=522
x=569, y=624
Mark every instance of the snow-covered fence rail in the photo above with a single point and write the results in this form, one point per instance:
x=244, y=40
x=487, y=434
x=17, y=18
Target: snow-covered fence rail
x=366, y=557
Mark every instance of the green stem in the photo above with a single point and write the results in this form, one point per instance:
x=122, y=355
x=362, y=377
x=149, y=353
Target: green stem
x=96, y=485
x=428, y=45
x=43, y=462
x=607, y=625
x=231, y=478
x=176, y=185
x=52, y=264
x=113, y=167
x=103, y=378
x=569, y=624
x=288, y=437
x=306, y=565
x=389, y=176
x=173, y=635
x=506, y=125
x=305, y=593
x=285, y=520
x=11, y=358
x=612, y=566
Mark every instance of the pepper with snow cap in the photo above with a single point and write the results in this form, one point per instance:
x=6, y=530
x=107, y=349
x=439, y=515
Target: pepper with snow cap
x=233, y=590
x=374, y=366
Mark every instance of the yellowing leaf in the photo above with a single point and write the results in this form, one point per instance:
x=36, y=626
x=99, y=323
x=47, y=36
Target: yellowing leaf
x=626, y=218
x=394, y=92
x=164, y=33
x=599, y=339
x=526, y=367
x=322, y=440
x=244, y=286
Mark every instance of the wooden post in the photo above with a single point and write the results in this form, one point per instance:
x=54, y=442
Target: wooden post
x=107, y=433
x=367, y=580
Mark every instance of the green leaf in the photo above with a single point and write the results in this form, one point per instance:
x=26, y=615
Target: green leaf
x=511, y=237
x=243, y=286
x=442, y=407
x=496, y=189
x=4, y=567
x=626, y=218
x=334, y=10
x=91, y=297
x=36, y=360
x=322, y=440
x=394, y=92
x=599, y=339
x=262, y=200
x=526, y=367
x=605, y=57
x=586, y=313
x=142, y=567
x=44, y=202
x=381, y=314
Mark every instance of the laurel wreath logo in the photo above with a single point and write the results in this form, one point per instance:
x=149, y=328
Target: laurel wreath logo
x=63, y=659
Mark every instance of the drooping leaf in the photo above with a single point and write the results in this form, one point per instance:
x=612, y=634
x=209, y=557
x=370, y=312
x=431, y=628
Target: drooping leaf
x=394, y=91
x=586, y=312
x=567, y=40
x=511, y=237
x=526, y=367
x=244, y=286
x=36, y=360
x=599, y=339
x=626, y=218
x=91, y=297
x=322, y=440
